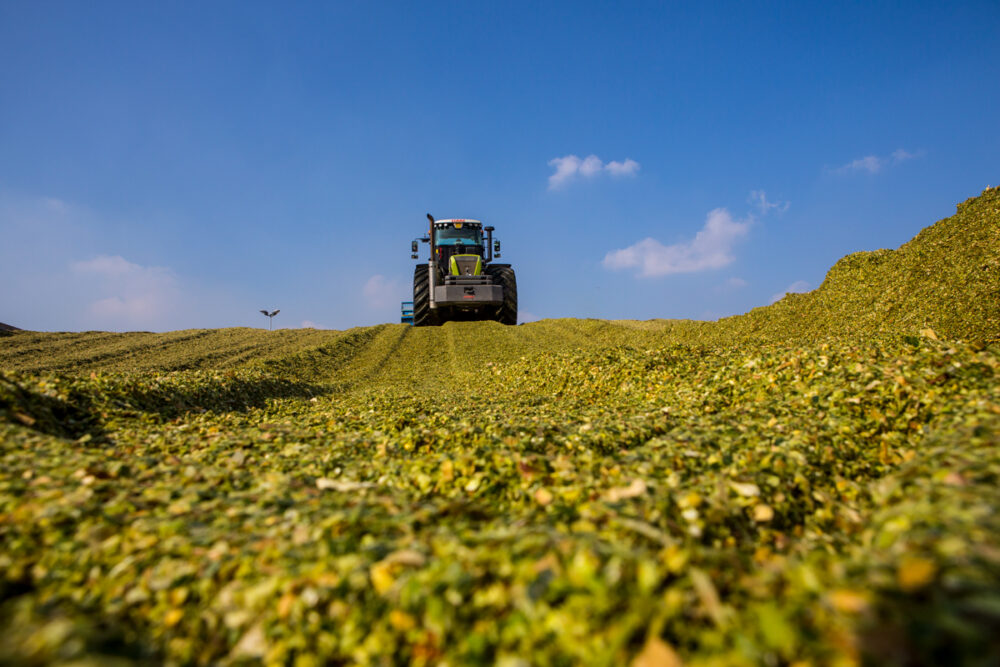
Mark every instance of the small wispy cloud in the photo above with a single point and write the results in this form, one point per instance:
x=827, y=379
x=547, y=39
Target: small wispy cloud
x=730, y=285
x=309, y=324
x=759, y=199
x=711, y=248
x=568, y=168
x=136, y=295
x=626, y=168
x=55, y=204
x=736, y=283
x=874, y=163
x=111, y=266
x=797, y=287
x=899, y=155
x=381, y=292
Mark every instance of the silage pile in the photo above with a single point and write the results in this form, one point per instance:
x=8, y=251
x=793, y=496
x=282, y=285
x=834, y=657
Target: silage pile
x=947, y=279
x=563, y=492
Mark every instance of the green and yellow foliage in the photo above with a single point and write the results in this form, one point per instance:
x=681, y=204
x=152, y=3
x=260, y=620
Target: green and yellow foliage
x=947, y=279
x=815, y=482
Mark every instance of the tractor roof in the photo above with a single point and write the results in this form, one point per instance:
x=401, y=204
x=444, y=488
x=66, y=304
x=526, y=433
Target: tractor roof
x=464, y=221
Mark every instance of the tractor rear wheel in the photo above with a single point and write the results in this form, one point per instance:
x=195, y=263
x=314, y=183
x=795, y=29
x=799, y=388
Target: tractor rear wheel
x=423, y=315
x=504, y=276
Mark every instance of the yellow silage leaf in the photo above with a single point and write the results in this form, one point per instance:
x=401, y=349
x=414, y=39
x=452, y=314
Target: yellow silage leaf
x=382, y=576
x=401, y=620
x=633, y=490
x=657, y=653
x=915, y=572
x=745, y=489
x=543, y=496
x=173, y=617
x=848, y=601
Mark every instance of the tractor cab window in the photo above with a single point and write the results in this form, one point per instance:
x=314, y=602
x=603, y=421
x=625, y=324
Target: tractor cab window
x=465, y=235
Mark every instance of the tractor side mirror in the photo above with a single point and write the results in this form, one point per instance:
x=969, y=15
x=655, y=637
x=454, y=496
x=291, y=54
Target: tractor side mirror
x=413, y=246
x=496, y=248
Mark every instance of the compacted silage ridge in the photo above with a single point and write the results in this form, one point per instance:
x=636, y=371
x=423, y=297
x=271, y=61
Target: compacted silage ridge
x=143, y=351
x=568, y=491
x=94, y=350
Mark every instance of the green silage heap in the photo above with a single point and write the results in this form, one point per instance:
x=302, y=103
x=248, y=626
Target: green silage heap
x=812, y=483
x=947, y=279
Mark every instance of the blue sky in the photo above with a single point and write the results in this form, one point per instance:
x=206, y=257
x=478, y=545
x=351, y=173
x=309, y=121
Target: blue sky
x=175, y=165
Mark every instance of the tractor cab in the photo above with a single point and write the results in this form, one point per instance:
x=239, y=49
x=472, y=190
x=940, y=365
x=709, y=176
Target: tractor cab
x=458, y=247
x=464, y=233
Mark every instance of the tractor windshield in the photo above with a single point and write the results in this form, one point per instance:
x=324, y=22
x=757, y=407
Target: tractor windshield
x=464, y=235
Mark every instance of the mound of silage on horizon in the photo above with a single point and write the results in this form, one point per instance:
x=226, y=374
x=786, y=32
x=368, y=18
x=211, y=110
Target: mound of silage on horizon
x=947, y=278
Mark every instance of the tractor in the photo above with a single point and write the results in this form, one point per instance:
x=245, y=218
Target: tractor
x=460, y=281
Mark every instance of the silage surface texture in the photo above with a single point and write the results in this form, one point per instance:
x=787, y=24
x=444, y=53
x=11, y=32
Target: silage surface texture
x=815, y=482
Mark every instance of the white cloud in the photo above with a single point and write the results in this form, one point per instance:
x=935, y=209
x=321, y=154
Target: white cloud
x=569, y=167
x=797, y=287
x=135, y=296
x=731, y=285
x=591, y=166
x=111, y=266
x=899, y=155
x=759, y=199
x=566, y=167
x=626, y=168
x=874, y=164
x=380, y=292
x=309, y=324
x=524, y=316
x=869, y=163
x=711, y=248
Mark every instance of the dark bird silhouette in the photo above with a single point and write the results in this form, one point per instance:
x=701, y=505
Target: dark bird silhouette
x=270, y=317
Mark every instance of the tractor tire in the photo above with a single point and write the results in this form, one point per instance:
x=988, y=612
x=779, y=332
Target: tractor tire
x=504, y=276
x=423, y=315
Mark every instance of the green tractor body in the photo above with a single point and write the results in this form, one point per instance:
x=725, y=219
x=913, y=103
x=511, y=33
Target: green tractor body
x=460, y=280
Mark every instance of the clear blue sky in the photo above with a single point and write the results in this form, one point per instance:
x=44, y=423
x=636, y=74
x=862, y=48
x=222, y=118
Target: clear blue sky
x=175, y=165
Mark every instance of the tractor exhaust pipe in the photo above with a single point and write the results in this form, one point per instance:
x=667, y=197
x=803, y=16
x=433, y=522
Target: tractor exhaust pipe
x=489, y=242
x=431, y=270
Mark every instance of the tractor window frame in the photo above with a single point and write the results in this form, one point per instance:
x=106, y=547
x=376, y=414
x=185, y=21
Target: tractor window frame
x=460, y=236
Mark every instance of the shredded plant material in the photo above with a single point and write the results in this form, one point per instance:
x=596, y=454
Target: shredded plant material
x=815, y=482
